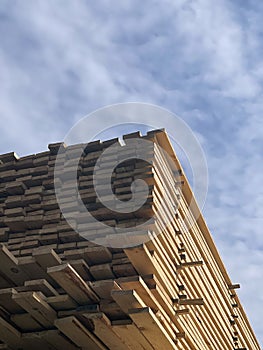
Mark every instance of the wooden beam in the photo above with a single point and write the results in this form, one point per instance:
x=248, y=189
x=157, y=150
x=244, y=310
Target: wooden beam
x=25, y=322
x=234, y=286
x=190, y=264
x=104, y=288
x=42, y=286
x=131, y=335
x=198, y=301
x=82, y=268
x=46, y=257
x=9, y=267
x=61, y=302
x=50, y=339
x=7, y=302
x=73, y=284
x=9, y=335
x=79, y=335
x=104, y=331
x=102, y=272
x=140, y=260
x=30, y=266
x=152, y=328
x=80, y=310
x=127, y=299
x=37, y=307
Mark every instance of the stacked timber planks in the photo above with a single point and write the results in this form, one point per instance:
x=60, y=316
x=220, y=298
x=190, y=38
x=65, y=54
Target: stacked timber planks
x=60, y=289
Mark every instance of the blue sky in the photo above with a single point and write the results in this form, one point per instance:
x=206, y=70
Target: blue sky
x=200, y=59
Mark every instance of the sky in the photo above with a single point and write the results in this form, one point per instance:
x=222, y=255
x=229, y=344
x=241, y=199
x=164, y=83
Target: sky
x=201, y=59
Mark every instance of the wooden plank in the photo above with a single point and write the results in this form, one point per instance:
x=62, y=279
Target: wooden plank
x=41, y=285
x=15, y=223
x=46, y=257
x=4, y=234
x=79, y=335
x=7, y=302
x=31, y=267
x=131, y=335
x=122, y=270
x=127, y=299
x=104, y=331
x=166, y=313
x=73, y=284
x=4, y=283
x=152, y=328
x=112, y=310
x=137, y=283
x=37, y=307
x=147, y=262
x=13, y=201
x=102, y=272
x=104, y=288
x=32, y=341
x=97, y=255
x=82, y=268
x=92, y=255
x=9, y=335
x=61, y=302
x=80, y=310
x=190, y=264
x=140, y=260
x=50, y=339
x=25, y=322
x=10, y=269
x=198, y=301
x=234, y=286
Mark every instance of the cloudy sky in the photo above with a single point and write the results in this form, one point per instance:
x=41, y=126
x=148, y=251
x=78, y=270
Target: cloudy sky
x=201, y=59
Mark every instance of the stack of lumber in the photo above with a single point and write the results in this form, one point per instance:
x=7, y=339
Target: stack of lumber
x=61, y=290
